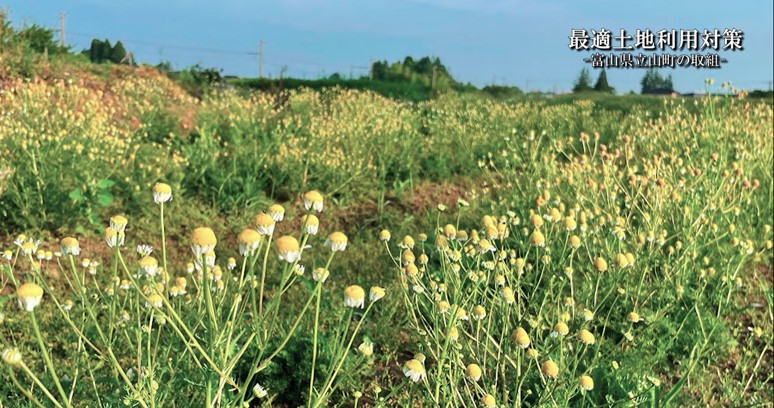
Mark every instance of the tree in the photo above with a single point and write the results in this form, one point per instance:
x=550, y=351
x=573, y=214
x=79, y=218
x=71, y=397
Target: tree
x=602, y=85
x=96, y=51
x=654, y=83
x=118, y=53
x=41, y=39
x=583, y=83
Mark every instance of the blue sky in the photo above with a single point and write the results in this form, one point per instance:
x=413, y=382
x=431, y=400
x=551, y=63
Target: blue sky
x=519, y=42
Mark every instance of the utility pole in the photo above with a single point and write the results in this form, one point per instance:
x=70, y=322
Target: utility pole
x=435, y=74
x=260, y=59
x=61, y=30
x=371, y=70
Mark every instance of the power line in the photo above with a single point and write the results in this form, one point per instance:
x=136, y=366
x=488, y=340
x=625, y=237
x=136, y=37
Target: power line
x=173, y=46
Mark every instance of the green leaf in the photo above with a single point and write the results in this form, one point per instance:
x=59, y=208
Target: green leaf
x=104, y=198
x=93, y=218
x=105, y=184
x=76, y=195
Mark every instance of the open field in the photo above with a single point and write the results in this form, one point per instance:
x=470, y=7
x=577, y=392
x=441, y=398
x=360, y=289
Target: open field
x=539, y=253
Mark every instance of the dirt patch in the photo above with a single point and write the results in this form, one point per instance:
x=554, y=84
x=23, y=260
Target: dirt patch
x=426, y=195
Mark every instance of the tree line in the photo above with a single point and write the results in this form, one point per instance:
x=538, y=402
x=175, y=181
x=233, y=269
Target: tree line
x=652, y=83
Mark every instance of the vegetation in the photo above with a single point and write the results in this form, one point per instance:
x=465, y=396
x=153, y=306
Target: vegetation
x=601, y=85
x=102, y=51
x=654, y=83
x=336, y=247
x=583, y=83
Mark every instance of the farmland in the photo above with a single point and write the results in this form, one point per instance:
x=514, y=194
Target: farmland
x=340, y=248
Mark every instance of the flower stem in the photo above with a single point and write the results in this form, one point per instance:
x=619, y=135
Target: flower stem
x=47, y=359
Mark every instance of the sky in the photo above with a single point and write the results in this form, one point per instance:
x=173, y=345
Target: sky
x=522, y=43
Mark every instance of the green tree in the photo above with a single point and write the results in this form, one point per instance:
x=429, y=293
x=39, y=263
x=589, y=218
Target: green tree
x=118, y=53
x=602, y=85
x=583, y=83
x=96, y=51
x=41, y=39
x=653, y=83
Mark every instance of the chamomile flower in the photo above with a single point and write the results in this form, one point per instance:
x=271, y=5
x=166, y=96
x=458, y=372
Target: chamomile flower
x=288, y=248
x=113, y=238
x=277, y=212
x=144, y=250
x=488, y=401
x=203, y=241
x=181, y=283
x=507, y=295
x=600, y=264
x=149, y=266
x=384, y=235
x=12, y=356
x=118, y=223
x=354, y=296
x=264, y=223
x=299, y=269
x=634, y=317
x=70, y=246
x=407, y=242
x=586, y=382
x=320, y=274
x=259, y=391
x=311, y=224
x=586, y=337
x=521, y=338
x=162, y=193
x=337, y=241
x=560, y=329
x=473, y=372
x=570, y=224
x=414, y=369
x=313, y=200
x=375, y=293
x=485, y=246
x=154, y=300
x=450, y=231
x=575, y=242
x=550, y=369
x=479, y=312
x=537, y=239
x=366, y=348
x=407, y=257
x=420, y=357
x=249, y=241
x=28, y=296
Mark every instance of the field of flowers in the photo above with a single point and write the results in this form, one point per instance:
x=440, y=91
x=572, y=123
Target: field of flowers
x=338, y=248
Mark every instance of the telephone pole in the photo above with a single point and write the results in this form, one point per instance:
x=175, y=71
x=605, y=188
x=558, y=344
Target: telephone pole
x=61, y=30
x=371, y=70
x=435, y=74
x=260, y=59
